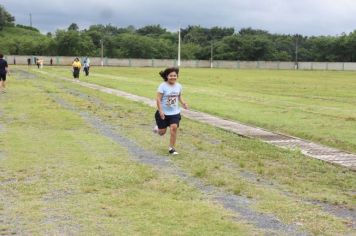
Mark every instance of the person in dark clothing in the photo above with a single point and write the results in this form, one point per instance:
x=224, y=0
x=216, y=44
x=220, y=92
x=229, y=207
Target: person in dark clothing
x=86, y=66
x=51, y=61
x=28, y=61
x=3, y=73
x=76, y=68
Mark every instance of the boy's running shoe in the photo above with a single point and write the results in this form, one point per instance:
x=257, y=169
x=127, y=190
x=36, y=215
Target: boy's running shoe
x=173, y=152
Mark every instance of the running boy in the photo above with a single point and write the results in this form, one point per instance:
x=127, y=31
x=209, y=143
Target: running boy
x=169, y=94
x=3, y=72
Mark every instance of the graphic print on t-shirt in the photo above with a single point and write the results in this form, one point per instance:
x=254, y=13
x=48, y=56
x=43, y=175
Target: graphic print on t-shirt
x=172, y=100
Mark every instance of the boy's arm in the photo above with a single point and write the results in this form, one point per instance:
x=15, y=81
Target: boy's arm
x=7, y=68
x=181, y=100
x=159, y=106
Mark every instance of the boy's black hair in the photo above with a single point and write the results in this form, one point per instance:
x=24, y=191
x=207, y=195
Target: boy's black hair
x=164, y=74
x=1, y=55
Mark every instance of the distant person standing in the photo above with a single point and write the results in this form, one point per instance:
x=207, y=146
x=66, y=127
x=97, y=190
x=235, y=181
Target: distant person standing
x=37, y=62
x=76, y=68
x=29, y=61
x=51, y=61
x=40, y=63
x=86, y=66
x=3, y=73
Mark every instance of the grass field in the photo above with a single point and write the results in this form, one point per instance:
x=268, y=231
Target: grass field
x=315, y=105
x=60, y=175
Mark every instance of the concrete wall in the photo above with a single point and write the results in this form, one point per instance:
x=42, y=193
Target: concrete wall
x=96, y=61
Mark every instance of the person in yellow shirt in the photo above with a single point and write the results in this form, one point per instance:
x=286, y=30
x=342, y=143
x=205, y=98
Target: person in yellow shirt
x=76, y=68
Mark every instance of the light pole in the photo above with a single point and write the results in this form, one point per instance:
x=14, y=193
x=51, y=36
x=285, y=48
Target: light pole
x=296, y=52
x=30, y=19
x=102, y=52
x=212, y=54
x=179, y=47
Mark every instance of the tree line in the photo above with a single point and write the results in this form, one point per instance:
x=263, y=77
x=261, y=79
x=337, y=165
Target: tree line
x=154, y=41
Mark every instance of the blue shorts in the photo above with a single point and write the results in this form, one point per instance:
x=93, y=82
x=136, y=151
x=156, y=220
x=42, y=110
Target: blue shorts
x=168, y=121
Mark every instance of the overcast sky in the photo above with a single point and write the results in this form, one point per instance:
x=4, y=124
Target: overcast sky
x=309, y=17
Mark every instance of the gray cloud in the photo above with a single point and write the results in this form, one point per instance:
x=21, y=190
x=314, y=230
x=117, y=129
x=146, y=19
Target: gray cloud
x=310, y=17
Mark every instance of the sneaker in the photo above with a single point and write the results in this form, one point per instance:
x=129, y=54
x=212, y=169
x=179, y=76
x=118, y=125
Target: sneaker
x=173, y=152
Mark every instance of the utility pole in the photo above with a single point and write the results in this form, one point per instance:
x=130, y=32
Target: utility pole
x=179, y=47
x=212, y=54
x=31, y=19
x=102, y=52
x=296, y=52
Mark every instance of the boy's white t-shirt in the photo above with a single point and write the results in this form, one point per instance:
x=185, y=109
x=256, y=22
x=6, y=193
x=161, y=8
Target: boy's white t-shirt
x=170, y=98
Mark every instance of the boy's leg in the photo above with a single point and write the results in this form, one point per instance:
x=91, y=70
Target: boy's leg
x=162, y=132
x=173, y=139
x=161, y=125
x=2, y=82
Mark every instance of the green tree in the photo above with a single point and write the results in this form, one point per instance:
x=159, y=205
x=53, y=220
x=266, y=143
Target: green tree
x=74, y=43
x=151, y=30
x=73, y=27
x=5, y=18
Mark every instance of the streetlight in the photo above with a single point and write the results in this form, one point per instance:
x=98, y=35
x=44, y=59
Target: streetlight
x=30, y=19
x=179, y=47
x=102, y=52
x=212, y=54
x=296, y=52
